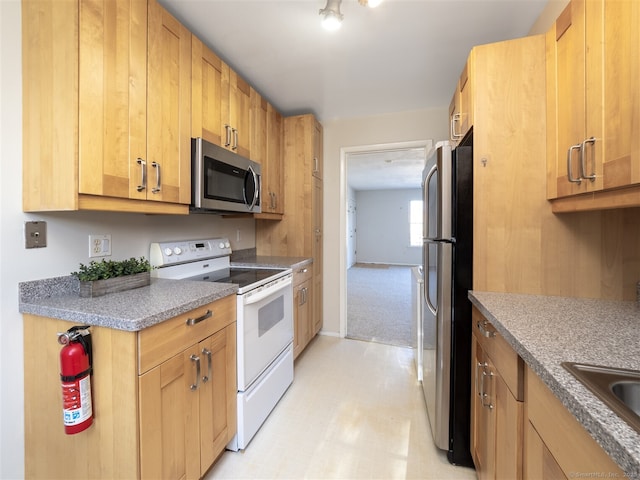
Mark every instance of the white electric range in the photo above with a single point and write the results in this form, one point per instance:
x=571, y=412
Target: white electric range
x=264, y=322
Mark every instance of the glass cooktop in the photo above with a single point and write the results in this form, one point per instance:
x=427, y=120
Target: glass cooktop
x=243, y=277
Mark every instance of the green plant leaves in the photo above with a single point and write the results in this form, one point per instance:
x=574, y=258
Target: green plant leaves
x=111, y=268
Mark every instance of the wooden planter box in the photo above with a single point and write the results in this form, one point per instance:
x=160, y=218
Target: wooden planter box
x=97, y=288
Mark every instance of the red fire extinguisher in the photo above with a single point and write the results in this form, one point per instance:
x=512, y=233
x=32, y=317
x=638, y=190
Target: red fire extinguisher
x=75, y=375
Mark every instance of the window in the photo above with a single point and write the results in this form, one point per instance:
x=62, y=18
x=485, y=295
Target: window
x=415, y=223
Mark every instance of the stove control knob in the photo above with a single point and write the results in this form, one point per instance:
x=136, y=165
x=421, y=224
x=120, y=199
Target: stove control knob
x=221, y=245
x=177, y=250
x=168, y=252
x=227, y=245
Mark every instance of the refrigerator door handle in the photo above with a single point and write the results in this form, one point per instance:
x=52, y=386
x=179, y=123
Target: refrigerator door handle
x=425, y=191
x=426, y=280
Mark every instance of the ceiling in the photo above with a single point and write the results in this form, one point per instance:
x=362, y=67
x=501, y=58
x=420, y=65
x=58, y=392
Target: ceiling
x=403, y=55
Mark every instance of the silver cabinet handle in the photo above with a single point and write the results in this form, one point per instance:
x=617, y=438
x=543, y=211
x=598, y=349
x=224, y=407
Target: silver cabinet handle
x=207, y=352
x=143, y=183
x=196, y=360
x=235, y=139
x=156, y=165
x=583, y=167
x=484, y=394
x=315, y=164
x=570, y=176
x=455, y=119
x=303, y=270
x=484, y=331
x=193, y=321
x=479, y=388
x=227, y=139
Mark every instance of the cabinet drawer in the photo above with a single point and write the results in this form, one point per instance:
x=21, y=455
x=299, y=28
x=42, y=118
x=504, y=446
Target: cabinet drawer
x=164, y=340
x=302, y=274
x=505, y=359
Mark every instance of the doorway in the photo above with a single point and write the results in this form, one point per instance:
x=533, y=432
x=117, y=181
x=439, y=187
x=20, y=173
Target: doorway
x=379, y=183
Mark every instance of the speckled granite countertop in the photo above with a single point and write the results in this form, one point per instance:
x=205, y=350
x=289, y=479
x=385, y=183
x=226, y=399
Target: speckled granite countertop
x=546, y=331
x=271, y=261
x=132, y=310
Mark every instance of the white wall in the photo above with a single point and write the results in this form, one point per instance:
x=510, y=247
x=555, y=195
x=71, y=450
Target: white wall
x=344, y=133
x=383, y=227
x=67, y=244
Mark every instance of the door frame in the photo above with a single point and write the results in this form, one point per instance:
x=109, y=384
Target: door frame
x=344, y=152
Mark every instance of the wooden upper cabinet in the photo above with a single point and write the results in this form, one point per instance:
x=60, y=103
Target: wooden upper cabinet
x=237, y=104
x=266, y=149
x=207, y=119
x=258, y=127
x=221, y=100
x=593, y=69
x=168, y=104
x=104, y=99
x=461, y=106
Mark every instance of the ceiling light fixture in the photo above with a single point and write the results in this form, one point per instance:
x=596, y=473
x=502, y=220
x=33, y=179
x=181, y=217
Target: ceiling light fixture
x=333, y=18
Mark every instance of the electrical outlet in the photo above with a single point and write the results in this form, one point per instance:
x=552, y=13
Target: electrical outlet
x=99, y=245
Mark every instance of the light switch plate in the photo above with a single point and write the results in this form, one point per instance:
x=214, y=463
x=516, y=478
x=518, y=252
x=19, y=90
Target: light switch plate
x=35, y=234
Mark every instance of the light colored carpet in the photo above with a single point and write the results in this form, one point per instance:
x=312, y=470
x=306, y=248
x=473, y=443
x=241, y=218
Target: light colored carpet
x=379, y=304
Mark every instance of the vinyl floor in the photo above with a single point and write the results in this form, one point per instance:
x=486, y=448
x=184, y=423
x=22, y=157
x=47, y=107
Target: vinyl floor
x=354, y=411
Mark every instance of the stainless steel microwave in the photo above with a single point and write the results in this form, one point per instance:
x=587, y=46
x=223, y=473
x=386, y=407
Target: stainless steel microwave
x=223, y=181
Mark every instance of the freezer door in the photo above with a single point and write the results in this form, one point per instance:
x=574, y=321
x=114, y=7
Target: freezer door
x=437, y=184
x=436, y=330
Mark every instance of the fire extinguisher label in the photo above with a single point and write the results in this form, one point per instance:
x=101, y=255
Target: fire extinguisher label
x=76, y=400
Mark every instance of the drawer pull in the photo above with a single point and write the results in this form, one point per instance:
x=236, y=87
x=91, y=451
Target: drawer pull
x=196, y=360
x=303, y=270
x=193, y=321
x=484, y=331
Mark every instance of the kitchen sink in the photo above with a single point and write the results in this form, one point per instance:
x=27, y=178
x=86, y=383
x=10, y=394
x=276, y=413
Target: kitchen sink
x=617, y=387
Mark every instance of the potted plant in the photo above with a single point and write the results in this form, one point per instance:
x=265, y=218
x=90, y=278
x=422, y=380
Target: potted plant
x=109, y=276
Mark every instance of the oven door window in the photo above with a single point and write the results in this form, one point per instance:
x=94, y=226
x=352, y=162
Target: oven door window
x=266, y=326
x=270, y=315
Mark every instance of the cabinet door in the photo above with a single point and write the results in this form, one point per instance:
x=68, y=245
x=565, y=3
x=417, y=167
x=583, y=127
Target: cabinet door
x=317, y=253
x=218, y=404
x=619, y=44
x=168, y=108
x=302, y=317
x=169, y=432
x=206, y=95
x=539, y=462
x=236, y=104
x=483, y=423
x=566, y=102
x=258, y=130
x=112, y=97
x=272, y=169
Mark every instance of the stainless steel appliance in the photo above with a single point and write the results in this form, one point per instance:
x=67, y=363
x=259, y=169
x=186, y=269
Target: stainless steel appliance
x=264, y=322
x=447, y=264
x=223, y=181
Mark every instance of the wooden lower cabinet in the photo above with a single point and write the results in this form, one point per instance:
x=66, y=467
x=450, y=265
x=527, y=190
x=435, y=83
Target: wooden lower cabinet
x=164, y=399
x=303, y=320
x=187, y=414
x=496, y=405
x=556, y=445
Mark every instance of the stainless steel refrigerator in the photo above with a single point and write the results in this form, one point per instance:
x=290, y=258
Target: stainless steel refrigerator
x=447, y=265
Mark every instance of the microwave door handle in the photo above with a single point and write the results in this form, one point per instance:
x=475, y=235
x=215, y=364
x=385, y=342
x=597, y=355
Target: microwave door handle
x=256, y=190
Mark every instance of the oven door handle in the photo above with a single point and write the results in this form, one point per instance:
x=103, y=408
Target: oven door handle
x=267, y=292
